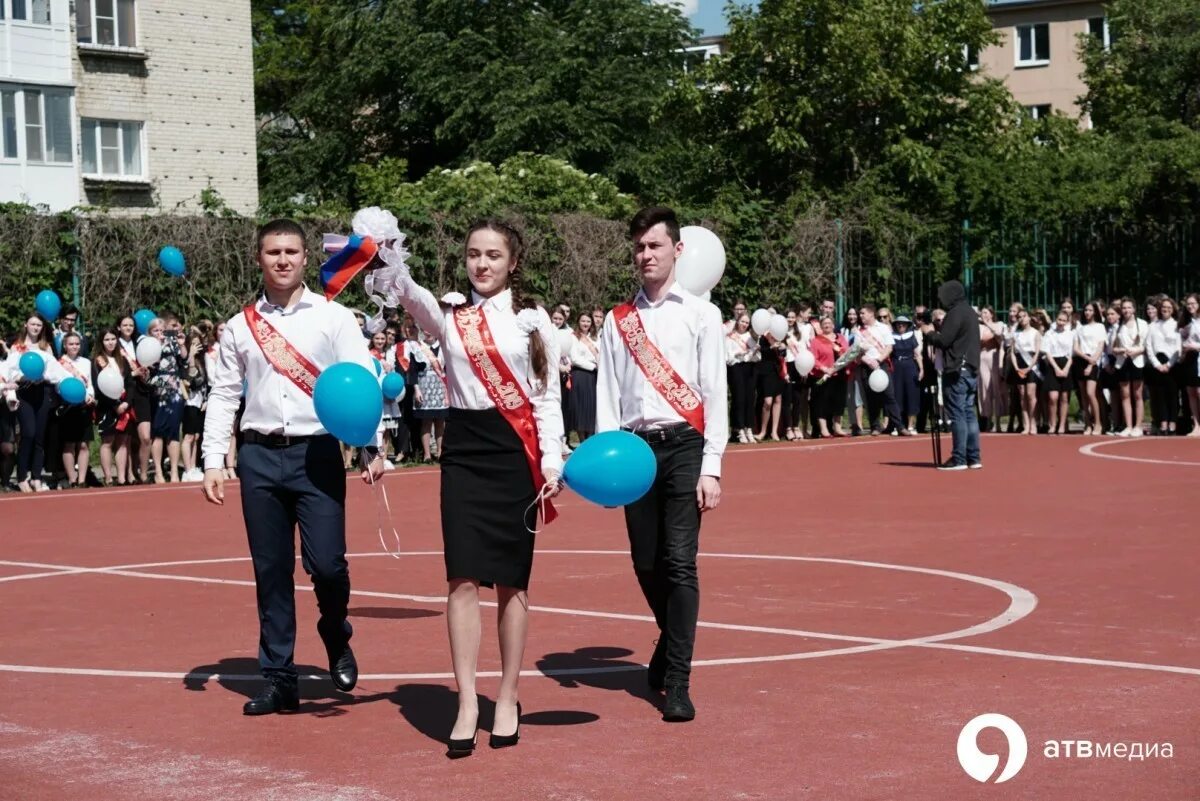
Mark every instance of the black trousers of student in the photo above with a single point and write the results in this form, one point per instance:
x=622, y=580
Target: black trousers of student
x=741, y=389
x=1164, y=394
x=881, y=401
x=664, y=538
x=33, y=416
x=828, y=401
x=301, y=484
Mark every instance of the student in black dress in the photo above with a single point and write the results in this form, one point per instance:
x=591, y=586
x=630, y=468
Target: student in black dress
x=583, y=355
x=500, y=458
x=113, y=415
x=75, y=420
x=771, y=375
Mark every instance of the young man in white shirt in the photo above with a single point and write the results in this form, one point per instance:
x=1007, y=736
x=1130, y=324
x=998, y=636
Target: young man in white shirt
x=662, y=376
x=290, y=467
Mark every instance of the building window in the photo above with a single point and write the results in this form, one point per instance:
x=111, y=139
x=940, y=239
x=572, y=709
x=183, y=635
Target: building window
x=35, y=11
x=112, y=149
x=1039, y=112
x=971, y=57
x=1033, y=45
x=47, y=127
x=8, y=128
x=106, y=22
x=1098, y=28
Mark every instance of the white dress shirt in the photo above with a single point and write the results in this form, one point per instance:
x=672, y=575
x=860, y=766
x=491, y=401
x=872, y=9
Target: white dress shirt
x=1090, y=337
x=464, y=390
x=1163, y=338
x=10, y=369
x=1058, y=344
x=690, y=335
x=323, y=331
x=1129, y=337
x=83, y=366
x=741, y=349
x=872, y=338
x=582, y=356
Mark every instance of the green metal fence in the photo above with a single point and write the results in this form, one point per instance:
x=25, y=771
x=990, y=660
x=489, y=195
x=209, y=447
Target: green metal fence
x=1038, y=270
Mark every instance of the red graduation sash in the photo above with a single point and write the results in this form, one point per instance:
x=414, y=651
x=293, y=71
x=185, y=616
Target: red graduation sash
x=287, y=361
x=502, y=388
x=657, y=369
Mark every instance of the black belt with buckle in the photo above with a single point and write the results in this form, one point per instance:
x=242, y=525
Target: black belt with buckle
x=666, y=434
x=277, y=440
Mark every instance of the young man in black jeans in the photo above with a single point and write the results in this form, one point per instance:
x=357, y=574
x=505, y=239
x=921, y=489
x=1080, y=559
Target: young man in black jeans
x=662, y=376
x=958, y=339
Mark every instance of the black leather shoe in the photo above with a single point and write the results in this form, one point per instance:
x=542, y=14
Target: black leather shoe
x=506, y=740
x=656, y=671
x=678, y=707
x=343, y=668
x=273, y=698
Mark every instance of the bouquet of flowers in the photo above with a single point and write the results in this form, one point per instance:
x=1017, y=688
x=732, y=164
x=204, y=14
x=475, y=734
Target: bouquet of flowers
x=846, y=358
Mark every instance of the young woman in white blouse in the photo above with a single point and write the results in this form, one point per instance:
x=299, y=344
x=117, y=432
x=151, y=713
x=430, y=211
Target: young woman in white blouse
x=31, y=400
x=1163, y=348
x=1058, y=345
x=75, y=422
x=1088, y=349
x=1189, y=363
x=741, y=355
x=584, y=352
x=499, y=459
x=1024, y=355
x=1129, y=351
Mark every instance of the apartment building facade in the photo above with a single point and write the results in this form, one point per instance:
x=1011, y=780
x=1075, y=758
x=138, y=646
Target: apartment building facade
x=1038, y=55
x=130, y=105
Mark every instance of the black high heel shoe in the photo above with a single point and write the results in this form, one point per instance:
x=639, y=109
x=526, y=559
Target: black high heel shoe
x=506, y=740
x=457, y=749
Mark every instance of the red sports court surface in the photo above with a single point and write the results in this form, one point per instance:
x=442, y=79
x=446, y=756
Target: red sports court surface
x=858, y=610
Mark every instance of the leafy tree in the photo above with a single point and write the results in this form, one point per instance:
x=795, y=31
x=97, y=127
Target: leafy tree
x=441, y=83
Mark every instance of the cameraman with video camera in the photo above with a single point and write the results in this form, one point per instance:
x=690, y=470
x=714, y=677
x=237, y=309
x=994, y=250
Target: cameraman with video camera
x=958, y=339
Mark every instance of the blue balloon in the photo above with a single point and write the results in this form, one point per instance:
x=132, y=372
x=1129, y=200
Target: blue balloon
x=142, y=319
x=170, y=258
x=48, y=304
x=614, y=468
x=72, y=390
x=393, y=386
x=349, y=403
x=33, y=367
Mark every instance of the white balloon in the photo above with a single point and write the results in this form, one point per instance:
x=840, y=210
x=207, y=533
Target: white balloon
x=111, y=383
x=149, y=351
x=702, y=262
x=707, y=296
x=805, y=362
x=878, y=380
x=566, y=338
x=760, y=321
x=779, y=327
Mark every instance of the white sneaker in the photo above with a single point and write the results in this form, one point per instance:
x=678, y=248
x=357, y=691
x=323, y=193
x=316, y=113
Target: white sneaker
x=1125, y=432
x=1137, y=432
x=387, y=465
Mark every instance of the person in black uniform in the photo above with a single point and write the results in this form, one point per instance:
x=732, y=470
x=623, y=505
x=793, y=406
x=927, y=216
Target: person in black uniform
x=290, y=467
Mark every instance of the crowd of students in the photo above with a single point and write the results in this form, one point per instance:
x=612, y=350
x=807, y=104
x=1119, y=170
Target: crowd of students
x=1107, y=355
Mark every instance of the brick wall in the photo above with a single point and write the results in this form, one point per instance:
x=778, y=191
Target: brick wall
x=194, y=92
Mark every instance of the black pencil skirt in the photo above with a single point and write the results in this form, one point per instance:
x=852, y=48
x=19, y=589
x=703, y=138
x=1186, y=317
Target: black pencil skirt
x=487, y=501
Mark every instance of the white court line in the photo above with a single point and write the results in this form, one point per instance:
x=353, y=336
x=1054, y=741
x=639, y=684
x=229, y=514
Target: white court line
x=1022, y=603
x=97, y=492
x=1092, y=450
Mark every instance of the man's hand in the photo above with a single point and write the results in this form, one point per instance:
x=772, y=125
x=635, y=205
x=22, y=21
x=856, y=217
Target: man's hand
x=708, y=493
x=214, y=485
x=373, y=470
